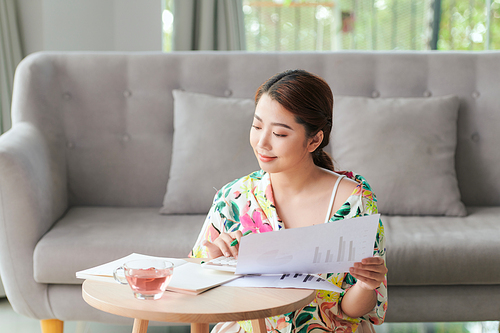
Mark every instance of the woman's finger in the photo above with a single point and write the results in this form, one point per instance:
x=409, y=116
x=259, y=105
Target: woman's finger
x=373, y=261
x=213, y=250
x=237, y=235
x=223, y=242
x=372, y=275
x=221, y=246
x=372, y=282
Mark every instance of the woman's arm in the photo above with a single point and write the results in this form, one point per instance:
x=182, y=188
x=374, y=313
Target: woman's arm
x=361, y=298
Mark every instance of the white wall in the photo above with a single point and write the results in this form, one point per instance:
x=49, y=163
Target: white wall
x=90, y=25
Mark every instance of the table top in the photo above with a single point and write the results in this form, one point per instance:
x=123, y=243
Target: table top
x=215, y=305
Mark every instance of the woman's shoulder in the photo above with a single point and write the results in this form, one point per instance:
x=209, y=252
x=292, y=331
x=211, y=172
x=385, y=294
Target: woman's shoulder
x=360, y=180
x=361, y=201
x=362, y=189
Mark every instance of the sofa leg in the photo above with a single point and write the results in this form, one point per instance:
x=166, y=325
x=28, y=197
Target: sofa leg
x=52, y=326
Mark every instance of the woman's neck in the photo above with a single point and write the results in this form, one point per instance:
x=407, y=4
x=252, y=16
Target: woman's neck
x=294, y=182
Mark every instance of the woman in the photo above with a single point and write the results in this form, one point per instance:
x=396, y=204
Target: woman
x=296, y=188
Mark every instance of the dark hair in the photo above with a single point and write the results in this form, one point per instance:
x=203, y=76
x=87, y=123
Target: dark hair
x=310, y=99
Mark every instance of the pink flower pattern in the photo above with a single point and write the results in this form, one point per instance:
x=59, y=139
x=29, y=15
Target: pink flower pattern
x=255, y=223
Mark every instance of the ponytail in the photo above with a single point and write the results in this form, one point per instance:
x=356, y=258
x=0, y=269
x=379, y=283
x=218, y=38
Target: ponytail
x=323, y=159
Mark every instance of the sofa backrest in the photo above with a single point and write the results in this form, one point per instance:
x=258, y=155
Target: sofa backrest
x=111, y=113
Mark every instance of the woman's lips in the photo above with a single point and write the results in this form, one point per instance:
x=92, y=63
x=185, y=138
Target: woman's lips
x=265, y=158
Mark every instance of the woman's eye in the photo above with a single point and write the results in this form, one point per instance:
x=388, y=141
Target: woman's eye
x=279, y=135
x=255, y=126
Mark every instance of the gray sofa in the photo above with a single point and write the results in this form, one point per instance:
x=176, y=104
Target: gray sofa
x=85, y=167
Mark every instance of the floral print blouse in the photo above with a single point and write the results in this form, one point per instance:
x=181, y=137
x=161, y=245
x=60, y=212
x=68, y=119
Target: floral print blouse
x=247, y=204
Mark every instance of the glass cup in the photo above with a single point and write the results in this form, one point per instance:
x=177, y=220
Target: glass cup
x=148, y=278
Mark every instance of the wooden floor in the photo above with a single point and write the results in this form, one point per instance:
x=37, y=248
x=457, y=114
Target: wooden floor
x=14, y=323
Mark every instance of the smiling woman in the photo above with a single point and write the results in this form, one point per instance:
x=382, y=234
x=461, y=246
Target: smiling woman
x=298, y=187
x=300, y=98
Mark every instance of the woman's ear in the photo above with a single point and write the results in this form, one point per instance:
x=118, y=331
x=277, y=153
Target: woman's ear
x=315, y=141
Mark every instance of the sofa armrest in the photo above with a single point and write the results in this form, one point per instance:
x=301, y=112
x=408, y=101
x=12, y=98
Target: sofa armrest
x=33, y=196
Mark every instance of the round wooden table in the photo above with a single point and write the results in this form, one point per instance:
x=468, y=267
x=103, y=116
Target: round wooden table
x=215, y=305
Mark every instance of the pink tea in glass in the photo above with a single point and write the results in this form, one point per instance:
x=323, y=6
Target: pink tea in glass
x=148, y=278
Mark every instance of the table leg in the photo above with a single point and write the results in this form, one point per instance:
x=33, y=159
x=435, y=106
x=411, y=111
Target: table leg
x=259, y=325
x=199, y=327
x=140, y=326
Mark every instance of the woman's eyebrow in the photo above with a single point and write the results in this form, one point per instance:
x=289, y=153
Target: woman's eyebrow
x=274, y=124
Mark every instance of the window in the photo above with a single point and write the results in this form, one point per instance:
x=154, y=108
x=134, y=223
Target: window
x=322, y=25
x=469, y=25
x=278, y=26
x=167, y=18
x=315, y=25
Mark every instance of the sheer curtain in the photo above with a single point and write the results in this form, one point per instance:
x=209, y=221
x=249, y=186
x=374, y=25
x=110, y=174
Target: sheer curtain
x=10, y=56
x=208, y=25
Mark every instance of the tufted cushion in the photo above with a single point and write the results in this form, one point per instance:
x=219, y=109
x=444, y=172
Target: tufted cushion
x=430, y=250
x=210, y=148
x=90, y=236
x=405, y=147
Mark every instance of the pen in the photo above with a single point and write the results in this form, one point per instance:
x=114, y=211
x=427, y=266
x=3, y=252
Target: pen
x=234, y=242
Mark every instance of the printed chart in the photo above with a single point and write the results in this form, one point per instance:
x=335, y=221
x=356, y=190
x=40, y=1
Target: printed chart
x=341, y=253
x=327, y=248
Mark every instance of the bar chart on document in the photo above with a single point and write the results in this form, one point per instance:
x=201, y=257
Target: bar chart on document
x=330, y=247
x=340, y=255
x=350, y=244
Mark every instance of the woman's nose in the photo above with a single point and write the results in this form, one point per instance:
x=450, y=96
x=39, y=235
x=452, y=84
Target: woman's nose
x=264, y=141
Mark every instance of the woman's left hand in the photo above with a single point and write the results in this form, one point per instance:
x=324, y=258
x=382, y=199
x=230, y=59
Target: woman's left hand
x=370, y=272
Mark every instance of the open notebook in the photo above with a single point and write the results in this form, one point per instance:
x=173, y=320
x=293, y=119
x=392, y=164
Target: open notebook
x=188, y=278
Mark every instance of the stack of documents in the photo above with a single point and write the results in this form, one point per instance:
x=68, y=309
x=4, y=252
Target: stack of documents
x=188, y=277
x=290, y=258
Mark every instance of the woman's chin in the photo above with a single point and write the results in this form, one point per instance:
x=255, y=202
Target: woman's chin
x=267, y=168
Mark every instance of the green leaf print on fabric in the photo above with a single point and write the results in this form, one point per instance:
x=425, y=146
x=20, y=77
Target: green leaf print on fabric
x=232, y=183
x=218, y=195
x=235, y=211
x=309, y=308
x=219, y=206
x=349, y=279
x=304, y=329
x=365, y=184
x=228, y=225
x=257, y=175
x=303, y=318
x=343, y=211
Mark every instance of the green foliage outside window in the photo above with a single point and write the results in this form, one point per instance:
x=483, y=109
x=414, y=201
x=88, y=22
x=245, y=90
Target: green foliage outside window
x=315, y=25
x=321, y=25
x=463, y=25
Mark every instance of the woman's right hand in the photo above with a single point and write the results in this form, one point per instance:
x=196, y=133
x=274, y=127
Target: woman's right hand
x=221, y=246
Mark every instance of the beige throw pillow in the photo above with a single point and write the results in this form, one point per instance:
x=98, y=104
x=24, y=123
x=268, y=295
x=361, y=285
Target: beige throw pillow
x=211, y=147
x=405, y=148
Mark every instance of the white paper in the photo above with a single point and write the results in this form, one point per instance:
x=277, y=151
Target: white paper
x=188, y=277
x=303, y=281
x=106, y=270
x=192, y=278
x=326, y=248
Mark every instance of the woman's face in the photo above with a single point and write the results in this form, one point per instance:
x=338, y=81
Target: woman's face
x=279, y=142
